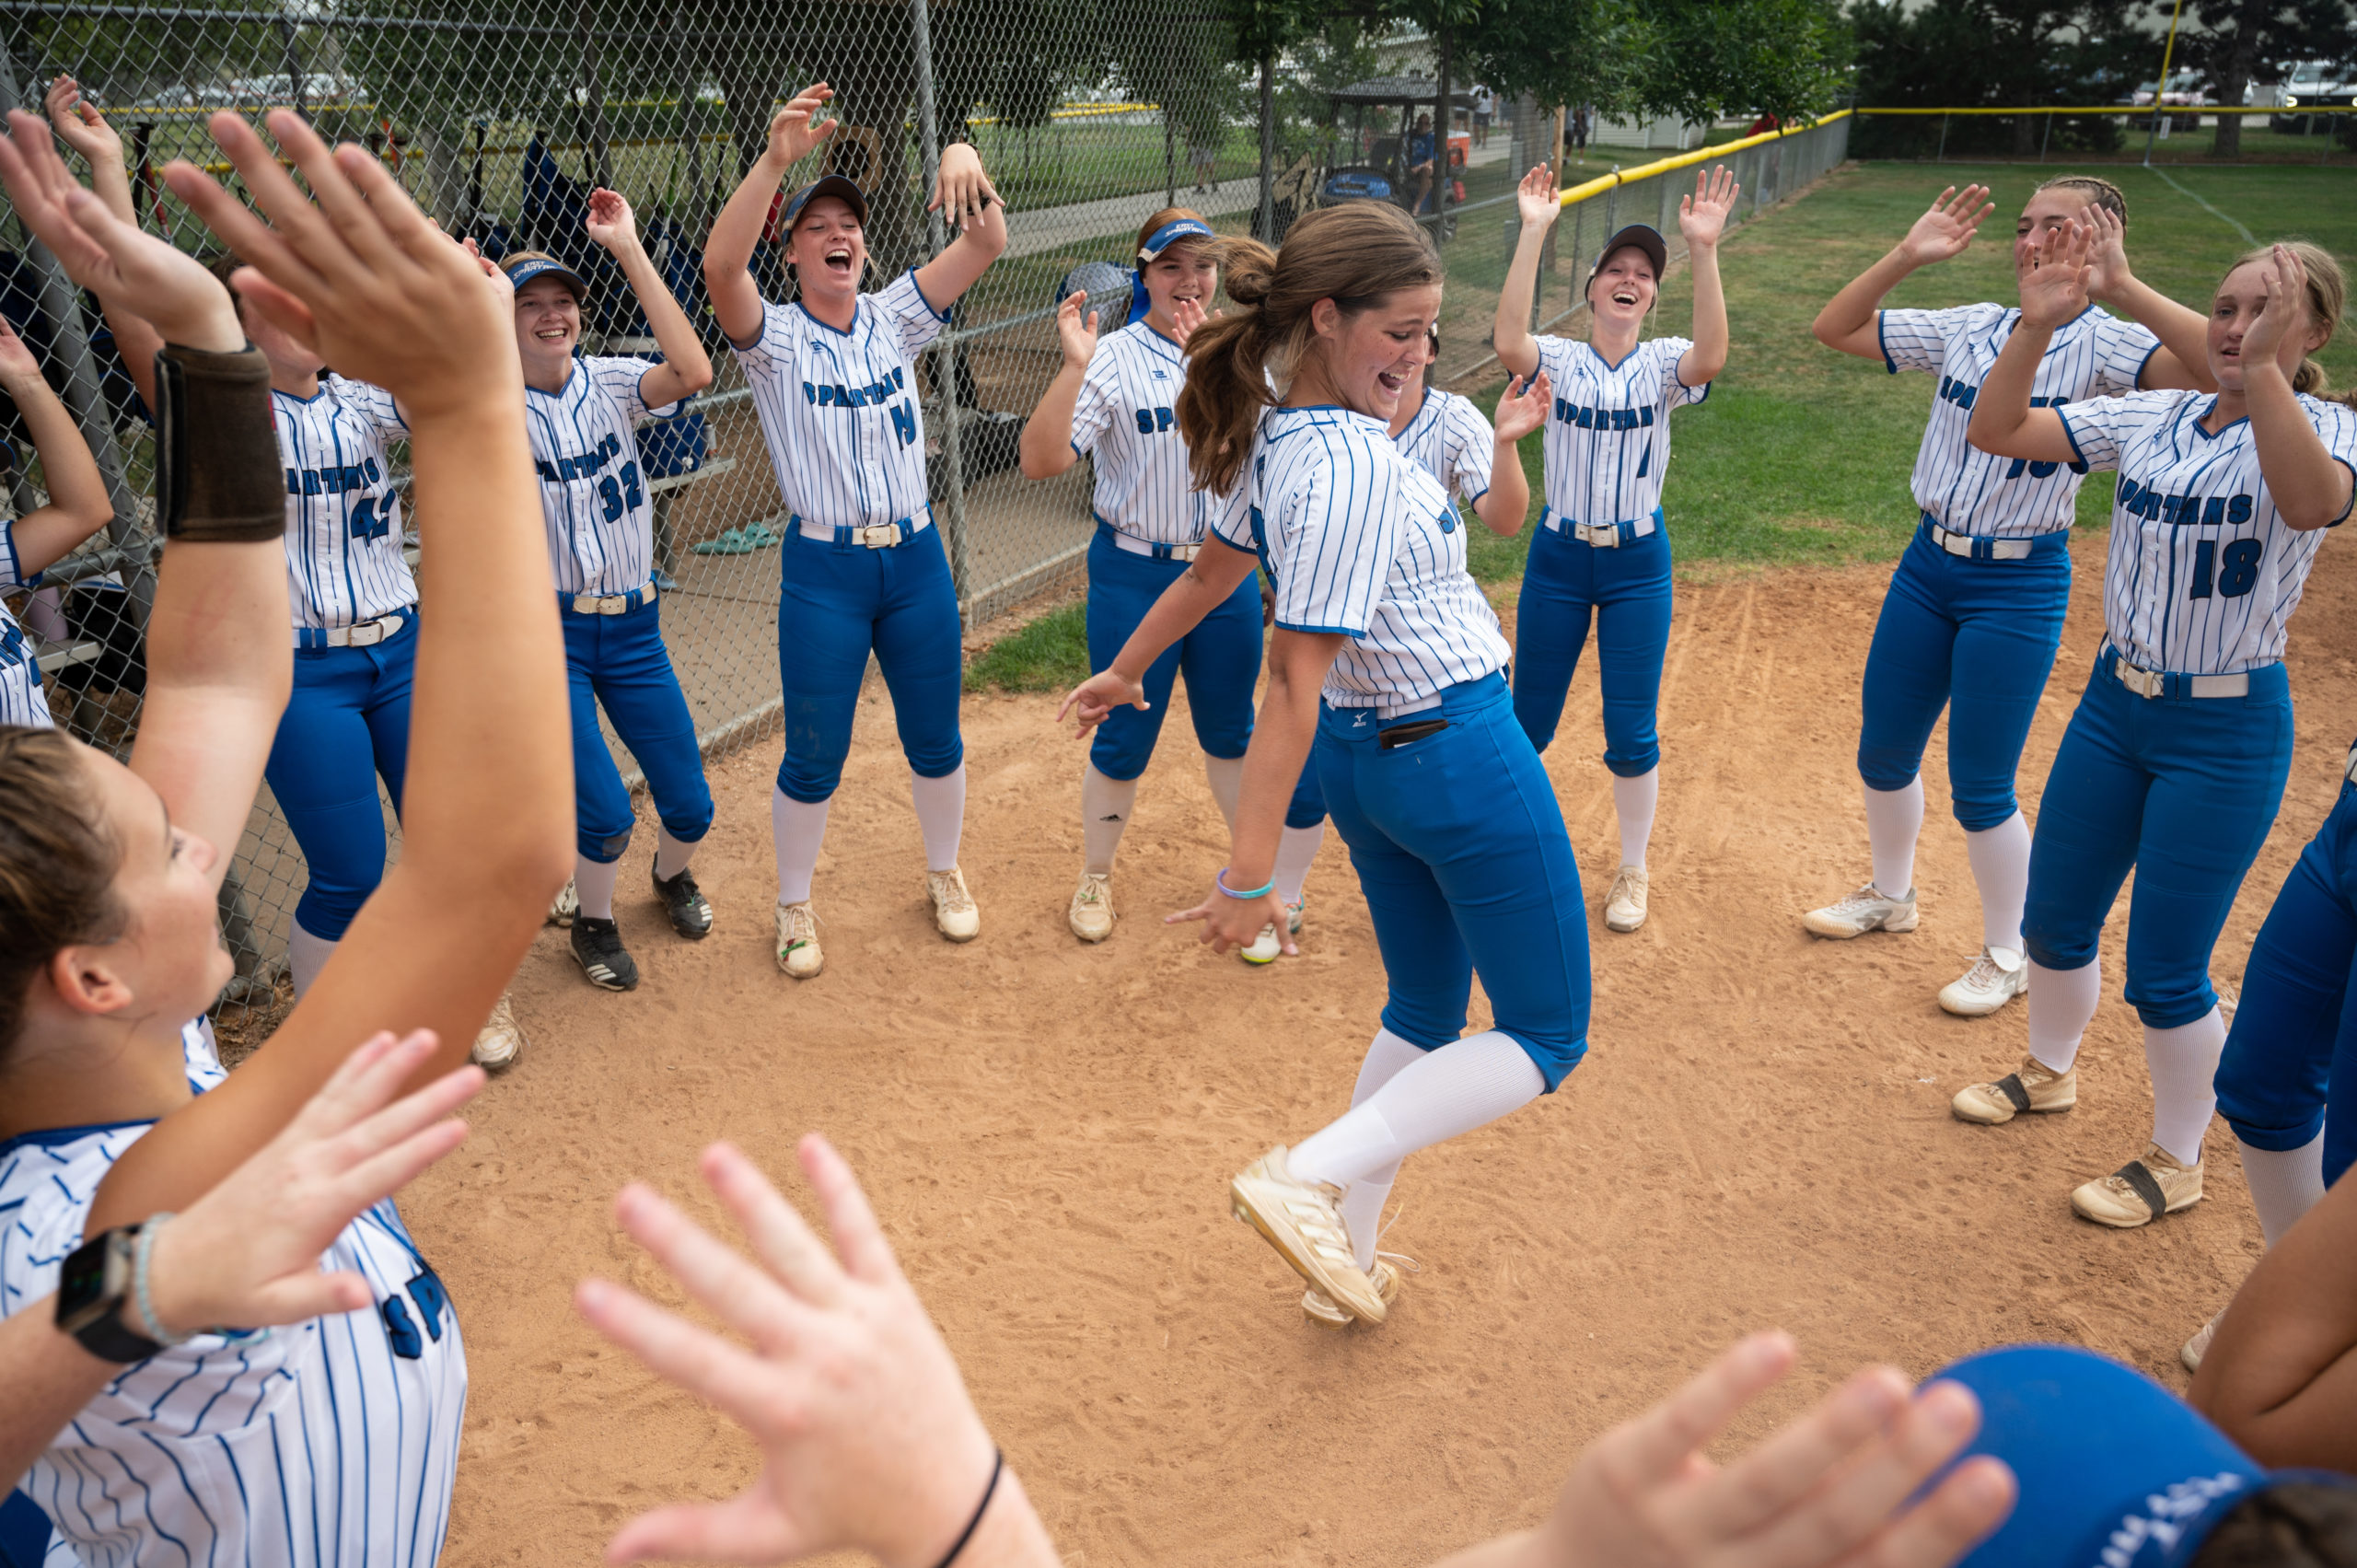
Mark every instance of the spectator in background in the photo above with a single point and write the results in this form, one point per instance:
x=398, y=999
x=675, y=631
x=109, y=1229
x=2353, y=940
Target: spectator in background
x=1203, y=157
x=1485, y=105
x=1422, y=163
x=1764, y=125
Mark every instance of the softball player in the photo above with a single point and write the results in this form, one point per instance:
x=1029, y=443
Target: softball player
x=1608, y=452
x=2175, y=760
x=78, y=507
x=1385, y=650
x=1115, y=398
x=581, y=414
x=833, y=377
x=1975, y=610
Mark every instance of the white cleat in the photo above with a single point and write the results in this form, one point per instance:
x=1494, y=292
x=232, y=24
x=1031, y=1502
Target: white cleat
x=1868, y=908
x=502, y=1040
x=953, y=906
x=567, y=905
x=1091, y=915
x=1264, y=948
x=2194, y=1349
x=797, y=940
x=1996, y=976
x=1624, y=906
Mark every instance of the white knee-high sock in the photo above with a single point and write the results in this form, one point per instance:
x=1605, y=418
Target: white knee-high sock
x=2061, y=1005
x=1363, y=1201
x=1296, y=848
x=941, y=816
x=594, y=881
x=1225, y=776
x=2284, y=1183
x=1633, y=801
x=307, y=955
x=797, y=828
x=1894, y=821
x=2001, y=870
x=2184, y=1062
x=671, y=856
x=1106, y=807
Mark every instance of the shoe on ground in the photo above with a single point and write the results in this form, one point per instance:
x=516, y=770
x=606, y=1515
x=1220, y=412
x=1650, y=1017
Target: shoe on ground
x=2140, y=1191
x=953, y=907
x=1091, y=915
x=1303, y=1220
x=1320, y=1308
x=565, y=906
x=1293, y=917
x=797, y=940
x=598, y=948
x=1996, y=976
x=2199, y=1346
x=2034, y=1086
x=1868, y=908
x=690, y=912
x=1264, y=948
x=1624, y=906
x=501, y=1042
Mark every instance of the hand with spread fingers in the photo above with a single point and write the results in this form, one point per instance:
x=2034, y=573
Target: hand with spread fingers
x=1702, y=217
x=1536, y=199
x=1185, y=317
x=2054, y=276
x=1523, y=407
x=1076, y=330
x=1947, y=227
x=962, y=193
x=81, y=127
x=792, y=136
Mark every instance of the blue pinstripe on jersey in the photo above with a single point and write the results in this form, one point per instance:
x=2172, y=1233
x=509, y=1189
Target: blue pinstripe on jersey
x=1359, y=541
x=21, y=700
x=1972, y=491
x=333, y=1443
x=1451, y=440
x=1607, y=436
x=593, y=498
x=2202, y=573
x=839, y=410
x=1126, y=420
x=344, y=517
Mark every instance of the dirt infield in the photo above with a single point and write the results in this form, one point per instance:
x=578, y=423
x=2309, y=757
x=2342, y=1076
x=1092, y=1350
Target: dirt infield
x=1759, y=1134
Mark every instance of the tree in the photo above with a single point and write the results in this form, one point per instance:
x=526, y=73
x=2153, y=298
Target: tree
x=2235, y=41
x=1969, y=54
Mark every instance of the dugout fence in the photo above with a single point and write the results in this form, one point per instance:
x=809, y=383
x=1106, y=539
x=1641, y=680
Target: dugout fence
x=500, y=116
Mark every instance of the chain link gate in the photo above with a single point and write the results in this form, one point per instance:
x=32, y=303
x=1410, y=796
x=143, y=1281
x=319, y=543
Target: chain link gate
x=501, y=117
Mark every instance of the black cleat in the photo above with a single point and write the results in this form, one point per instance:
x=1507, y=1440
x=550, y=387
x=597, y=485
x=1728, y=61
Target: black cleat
x=690, y=912
x=598, y=948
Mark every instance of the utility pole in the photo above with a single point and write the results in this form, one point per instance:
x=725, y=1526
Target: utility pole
x=2161, y=87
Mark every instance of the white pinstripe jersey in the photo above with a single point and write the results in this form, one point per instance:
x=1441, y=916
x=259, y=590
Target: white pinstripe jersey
x=21, y=699
x=1360, y=542
x=839, y=410
x=331, y=1442
x=2204, y=573
x=600, y=521
x=1608, y=438
x=344, y=519
x=1973, y=492
x=1126, y=415
x=1450, y=440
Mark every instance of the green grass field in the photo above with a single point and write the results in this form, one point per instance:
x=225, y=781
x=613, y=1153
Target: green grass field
x=1801, y=455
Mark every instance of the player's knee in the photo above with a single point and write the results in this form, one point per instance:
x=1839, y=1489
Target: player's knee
x=688, y=820
x=1888, y=768
x=936, y=759
x=810, y=780
x=2172, y=1002
x=1117, y=755
x=1980, y=805
x=328, y=906
x=2266, y=1108
x=1308, y=807
x=605, y=848
x=2055, y=944
x=1634, y=759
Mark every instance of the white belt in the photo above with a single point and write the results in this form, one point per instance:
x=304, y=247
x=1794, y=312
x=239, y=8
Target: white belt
x=872, y=536
x=1999, y=549
x=1603, y=536
x=366, y=634
x=1159, y=551
x=611, y=604
x=2155, y=684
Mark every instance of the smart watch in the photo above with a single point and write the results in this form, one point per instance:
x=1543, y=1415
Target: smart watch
x=94, y=1290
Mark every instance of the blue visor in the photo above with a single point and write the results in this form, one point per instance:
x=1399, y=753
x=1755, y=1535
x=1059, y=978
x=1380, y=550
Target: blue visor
x=1170, y=233
x=834, y=185
x=540, y=267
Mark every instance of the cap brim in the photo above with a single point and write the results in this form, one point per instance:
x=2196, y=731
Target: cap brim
x=834, y=185
x=532, y=272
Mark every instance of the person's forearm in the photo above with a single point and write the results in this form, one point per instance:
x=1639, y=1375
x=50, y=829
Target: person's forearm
x=2184, y=332
x=1854, y=307
x=1010, y=1534
x=2280, y=1375
x=79, y=505
x=1045, y=446
x=964, y=260
x=1203, y=587
x=2311, y=488
x=1507, y=502
x=728, y=250
x=686, y=368
x=49, y=1377
x=1709, y=356
x=1281, y=736
x=1510, y=335
x=2002, y=407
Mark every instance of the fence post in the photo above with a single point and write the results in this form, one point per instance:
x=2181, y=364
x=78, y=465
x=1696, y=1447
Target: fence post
x=294, y=66
x=1268, y=153
x=1169, y=159
x=601, y=165
x=1941, y=156
x=1444, y=123
x=945, y=348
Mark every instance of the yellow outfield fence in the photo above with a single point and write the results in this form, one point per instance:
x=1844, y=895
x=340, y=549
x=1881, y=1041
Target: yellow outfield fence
x=1620, y=177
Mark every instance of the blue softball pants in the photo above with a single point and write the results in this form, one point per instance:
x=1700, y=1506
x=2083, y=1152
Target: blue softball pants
x=2182, y=789
x=2290, y=1070
x=1461, y=852
x=839, y=601
x=1626, y=588
x=1220, y=658
x=346, y=724
x=620, y=661
x=1974, y=635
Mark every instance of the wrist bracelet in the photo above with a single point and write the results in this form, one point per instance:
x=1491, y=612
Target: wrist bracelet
x=140, y=1301
x=998, y=1465
x=1219, y=879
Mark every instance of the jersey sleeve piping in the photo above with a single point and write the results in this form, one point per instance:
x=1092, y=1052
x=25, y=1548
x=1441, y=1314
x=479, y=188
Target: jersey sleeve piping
x=2077, y=452
x=671, y=409
x=2146, y=364
x=1882, y=343
x=914, y=282
x=2352, y=506
x=1322, y=631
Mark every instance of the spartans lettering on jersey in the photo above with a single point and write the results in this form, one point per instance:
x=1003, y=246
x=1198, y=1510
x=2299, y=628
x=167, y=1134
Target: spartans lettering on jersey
x=2185, y=511
x=1962, y=393
x=1155, y=421
x=904, y=422
x=335, y=480
x=433, y=1304
x=1604, y=418
x=565, y=469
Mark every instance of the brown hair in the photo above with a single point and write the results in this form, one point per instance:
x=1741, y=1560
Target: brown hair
x=2298, y=1525
x=57, y=866
x=1353, y=254
x=2101, y=192
x=2327, y=291
x=1169, y=215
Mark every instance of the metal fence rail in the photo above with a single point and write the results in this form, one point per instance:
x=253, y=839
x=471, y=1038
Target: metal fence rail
x=499, y=118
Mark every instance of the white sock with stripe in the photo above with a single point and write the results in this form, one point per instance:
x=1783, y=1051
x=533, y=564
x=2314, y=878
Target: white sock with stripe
x=1106, y=807
x=2001, y=870
x=593, y=881
x=941, y=816
x=1296, y=848
x=1225, y=776
x=798, y=830
x=2184, y=1063
x=1894, y=821
x=2284, y=1183
x=2061, y=1005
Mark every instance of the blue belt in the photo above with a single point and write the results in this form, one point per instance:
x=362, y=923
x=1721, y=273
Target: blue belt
x=1627, y=532
x=607, y=604
x=366, y=634
x=867, y=535
x=1150, y=549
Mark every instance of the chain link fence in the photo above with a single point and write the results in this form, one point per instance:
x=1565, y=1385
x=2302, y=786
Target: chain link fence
x=501, y=117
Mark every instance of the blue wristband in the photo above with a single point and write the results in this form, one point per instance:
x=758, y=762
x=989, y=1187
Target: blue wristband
x=1219, y=879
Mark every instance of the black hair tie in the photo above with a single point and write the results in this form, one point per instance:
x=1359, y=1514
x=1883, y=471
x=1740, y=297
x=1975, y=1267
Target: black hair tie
x=998, y=1465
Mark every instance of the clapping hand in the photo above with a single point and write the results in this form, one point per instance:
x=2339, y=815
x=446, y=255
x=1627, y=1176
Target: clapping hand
x=2108, y=271
x=2286, y=309
x=2053, y=275
x=610, y=222
x=80, y=126
x=1524, y=407
x=1538, y=199
x=1702, y=217
x=792, y=136
x=1185, y=317
x=1943, y=233
x=1076, y=334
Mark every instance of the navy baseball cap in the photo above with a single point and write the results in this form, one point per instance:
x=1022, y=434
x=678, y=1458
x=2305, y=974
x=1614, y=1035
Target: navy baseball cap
x=1170, y=233
x=524, y=266
x=834, y=185
x=1645, y=238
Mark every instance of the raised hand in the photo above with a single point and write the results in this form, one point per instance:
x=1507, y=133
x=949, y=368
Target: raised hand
x=610, y=222
x=792, y=136
x=1702, y=217
x=1524, y=407
x=962, y=190
x=2107, y=271
x=2054, y=275
x=1185, y=317
x=2286, y=310
x=1094, y=698
x=1537, y=200
x=18, y=364
x=1943, y=232
x=1075, y=336
x=81, y=126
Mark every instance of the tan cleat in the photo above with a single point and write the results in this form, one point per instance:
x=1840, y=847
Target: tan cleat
x=564, y=906
x=953, y=907
x=1868, y=908
x=2199, y=1346
x=2140, y=1191
x=1996, y=976
x=1303, y=1221
x=2036, y=1088
x=1320, y=1308
x=797, y=940
x=1624, y=906
x=1091, y=915
x=501, y=1042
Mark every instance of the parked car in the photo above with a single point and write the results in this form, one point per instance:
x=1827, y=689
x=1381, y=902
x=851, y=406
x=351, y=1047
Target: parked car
x=2313, y=84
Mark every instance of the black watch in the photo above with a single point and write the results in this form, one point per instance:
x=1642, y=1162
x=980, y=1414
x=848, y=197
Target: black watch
x=94, y=1288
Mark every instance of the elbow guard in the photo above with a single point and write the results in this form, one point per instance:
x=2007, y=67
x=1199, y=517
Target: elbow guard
x=217, y=478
